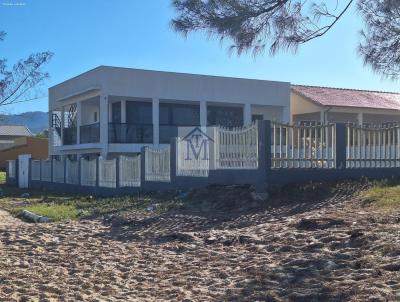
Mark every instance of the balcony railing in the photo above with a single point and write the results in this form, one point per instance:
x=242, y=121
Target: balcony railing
x=90, y=133
x=69, y=137
x=130, y=133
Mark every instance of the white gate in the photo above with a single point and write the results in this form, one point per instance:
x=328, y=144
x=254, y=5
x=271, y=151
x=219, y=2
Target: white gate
x=107, y=173
x=129, y=171
x=236, y=148
x=157, y=165
x=23, y=170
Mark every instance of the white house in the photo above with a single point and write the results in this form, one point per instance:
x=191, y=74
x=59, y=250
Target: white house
x=112, y=110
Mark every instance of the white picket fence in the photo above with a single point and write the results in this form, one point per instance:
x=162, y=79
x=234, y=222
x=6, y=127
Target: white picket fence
x=58, y=171
x=107, y=173
x=297, y=146
x=12, y=168
x=129, y=171
x=157, y=165
x=88, y=172
x=236, y=148
x=35, y=173
x=194, y=165
x=72, y=172
x=46, y=170
x=372, y=147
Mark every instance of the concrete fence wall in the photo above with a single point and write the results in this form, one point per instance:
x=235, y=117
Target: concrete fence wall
x=105, y=177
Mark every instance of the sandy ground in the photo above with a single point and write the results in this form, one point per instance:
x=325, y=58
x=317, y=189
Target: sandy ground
x=331, y=249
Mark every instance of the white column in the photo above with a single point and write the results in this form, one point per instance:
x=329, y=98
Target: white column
x=104, y=125
x=203, y=114
x=156, y=124
x=360, y=118
x=247, y=114
x=78, y=121
x=109, y=112
x=123, y=111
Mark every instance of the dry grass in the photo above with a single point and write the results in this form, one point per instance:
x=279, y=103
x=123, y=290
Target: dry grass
x=61, y=207
x=2, y=178
x=382, y=196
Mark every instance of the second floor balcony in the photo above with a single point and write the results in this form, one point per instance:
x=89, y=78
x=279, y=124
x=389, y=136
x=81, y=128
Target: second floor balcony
x=90, y=133
x=70, y=136
x=123, y=133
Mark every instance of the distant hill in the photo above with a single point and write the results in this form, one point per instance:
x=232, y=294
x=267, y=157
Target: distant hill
x=36, y=121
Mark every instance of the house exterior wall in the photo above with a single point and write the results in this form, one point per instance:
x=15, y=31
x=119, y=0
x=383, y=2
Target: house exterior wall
x=378, y=119
x=304, y=109
x=341, y=117
x=271, y=113
x=300, y=105
x=168, y=85
x=110, y=83
x=37, y=147
x=313, y=116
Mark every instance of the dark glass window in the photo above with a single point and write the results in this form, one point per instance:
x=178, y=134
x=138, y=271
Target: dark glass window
x=116, y=112
x=179, y=114
x=139, y=113
x=173, y=116
x=224, y=116
x=164, y=114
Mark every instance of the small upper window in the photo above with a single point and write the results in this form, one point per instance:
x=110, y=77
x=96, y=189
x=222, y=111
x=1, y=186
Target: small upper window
x=95, y=116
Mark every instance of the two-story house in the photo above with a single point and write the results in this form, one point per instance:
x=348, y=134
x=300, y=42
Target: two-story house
x=110, y=110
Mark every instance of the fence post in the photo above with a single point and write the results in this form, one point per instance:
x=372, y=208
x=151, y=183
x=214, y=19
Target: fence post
x=117, y=172
x=340, y=148
x=212, y=150
x=8, y=173
x=29, y=172
x=79, y=159
x=173, y=159
x=51, y=169
x=65, y=169
x=16, y=172
x=97, y=172
x=143, y=166
x=264, y=154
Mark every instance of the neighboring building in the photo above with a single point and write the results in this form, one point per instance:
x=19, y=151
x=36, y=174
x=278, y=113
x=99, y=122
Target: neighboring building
x=111, y=110
x=310, y=105
x=10, y=132
x=37, y=147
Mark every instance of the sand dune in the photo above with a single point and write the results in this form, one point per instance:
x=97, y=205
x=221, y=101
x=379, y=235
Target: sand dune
x=328, y=250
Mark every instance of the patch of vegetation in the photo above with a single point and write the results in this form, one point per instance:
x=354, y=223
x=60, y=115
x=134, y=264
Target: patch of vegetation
x=59, y=207
x=56, y=212
x=382, y=196
x=2, y=178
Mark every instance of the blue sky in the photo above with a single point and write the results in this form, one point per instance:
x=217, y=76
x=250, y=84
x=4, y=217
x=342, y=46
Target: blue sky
x=135, y=33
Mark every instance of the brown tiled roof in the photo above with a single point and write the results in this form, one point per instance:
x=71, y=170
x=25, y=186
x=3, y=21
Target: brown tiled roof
x=14, y=130
x=339, y=97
